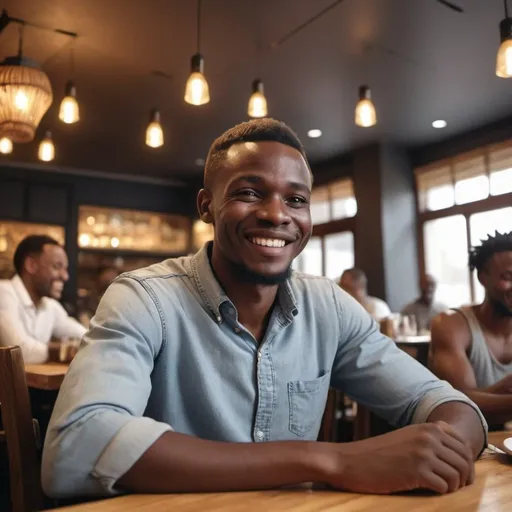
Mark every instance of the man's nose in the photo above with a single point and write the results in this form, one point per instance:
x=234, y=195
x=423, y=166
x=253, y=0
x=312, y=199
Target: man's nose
x=275, y=211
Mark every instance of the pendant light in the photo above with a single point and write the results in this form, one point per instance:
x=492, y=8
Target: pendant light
x=25, y=96
x=154, y=132
x=196, y=89
x=257, y=102
x=504, y=58
x=46, y=151
x=69, y=111
x=5, y=146
x=365, y=115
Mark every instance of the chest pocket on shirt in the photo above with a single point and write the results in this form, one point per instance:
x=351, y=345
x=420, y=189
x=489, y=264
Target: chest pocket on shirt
x=307, y=399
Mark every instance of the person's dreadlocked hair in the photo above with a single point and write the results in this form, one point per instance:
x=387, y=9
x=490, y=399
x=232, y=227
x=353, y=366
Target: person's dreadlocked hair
x=256, y=130
x=479, y=256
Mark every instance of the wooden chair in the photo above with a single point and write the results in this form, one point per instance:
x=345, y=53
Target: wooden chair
x=19, y=433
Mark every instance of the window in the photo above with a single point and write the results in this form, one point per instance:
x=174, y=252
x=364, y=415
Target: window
x=446, y=258
x=333, y=202
x=500, y=169
x=309, y=260
x=339, y=254
x=461, y=201
x=327, y=256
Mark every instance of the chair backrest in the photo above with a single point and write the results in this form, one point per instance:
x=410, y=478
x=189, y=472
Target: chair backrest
x=24, y=465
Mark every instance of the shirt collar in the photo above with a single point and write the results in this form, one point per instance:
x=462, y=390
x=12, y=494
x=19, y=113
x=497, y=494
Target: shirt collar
x=214, y=296
x=21, y=292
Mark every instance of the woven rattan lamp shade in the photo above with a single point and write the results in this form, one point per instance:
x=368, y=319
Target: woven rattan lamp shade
x=25, y=96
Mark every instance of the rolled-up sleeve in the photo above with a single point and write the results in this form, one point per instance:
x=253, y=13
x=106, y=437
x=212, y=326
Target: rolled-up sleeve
x=372, y=370
x=97, y=430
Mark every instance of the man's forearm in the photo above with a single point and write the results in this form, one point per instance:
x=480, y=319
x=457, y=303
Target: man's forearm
x=465, y=420
x=181, y=463
x=496, y=408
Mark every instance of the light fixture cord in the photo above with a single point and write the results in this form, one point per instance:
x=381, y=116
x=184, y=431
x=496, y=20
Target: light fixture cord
x=198, y=26
x=20, y=44
x=505, y=5
x=72, y=58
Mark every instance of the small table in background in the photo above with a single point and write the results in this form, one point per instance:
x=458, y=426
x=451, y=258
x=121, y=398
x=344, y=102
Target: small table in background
x=416, y=346
x=46, y=376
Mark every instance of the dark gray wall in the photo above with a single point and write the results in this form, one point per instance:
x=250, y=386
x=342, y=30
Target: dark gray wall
x=398, y=227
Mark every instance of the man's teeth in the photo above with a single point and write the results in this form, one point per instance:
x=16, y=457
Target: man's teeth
x=268, y=242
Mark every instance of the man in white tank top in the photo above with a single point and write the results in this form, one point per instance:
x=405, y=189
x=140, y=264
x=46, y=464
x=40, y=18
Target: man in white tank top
x=472, y=346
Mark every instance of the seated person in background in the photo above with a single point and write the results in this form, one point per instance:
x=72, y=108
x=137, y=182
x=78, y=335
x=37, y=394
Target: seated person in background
x=211, y=372
x=354, y=282
x=424, y=308
x=472, y=347
x=30, y=314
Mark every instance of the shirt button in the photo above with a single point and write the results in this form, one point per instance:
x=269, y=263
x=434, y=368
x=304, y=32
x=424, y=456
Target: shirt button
x=237, y=330
x=259, y=434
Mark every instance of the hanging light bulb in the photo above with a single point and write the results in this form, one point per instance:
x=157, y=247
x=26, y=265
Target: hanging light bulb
x=154, y=132
x=69, y=111
x=365, y=109
x=196, y=90
x=257, y=102
x=21, y=101
x=46, y=148
x=504, y=57
x=5, y=146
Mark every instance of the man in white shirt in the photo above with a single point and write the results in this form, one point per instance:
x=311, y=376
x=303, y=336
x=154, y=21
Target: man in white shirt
x=354, y=282
x=30, y=315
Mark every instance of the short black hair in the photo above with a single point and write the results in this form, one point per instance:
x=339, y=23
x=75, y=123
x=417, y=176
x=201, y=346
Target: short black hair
x=479, y=256
x=256, y=130
x=30, y=245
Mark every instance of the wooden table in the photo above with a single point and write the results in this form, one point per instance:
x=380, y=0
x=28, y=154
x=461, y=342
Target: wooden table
x=416, y=346
x=47, y=376
x=491, y=492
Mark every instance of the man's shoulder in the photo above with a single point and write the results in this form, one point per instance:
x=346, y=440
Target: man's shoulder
x=323, y=293
x=6, y=288
x=166, y=269
x=307, y=282
x=450, y=328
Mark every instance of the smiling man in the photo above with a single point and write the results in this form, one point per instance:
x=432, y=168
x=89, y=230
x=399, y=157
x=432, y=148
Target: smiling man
x=30, y=314
x=211, y=372
x=472, y=346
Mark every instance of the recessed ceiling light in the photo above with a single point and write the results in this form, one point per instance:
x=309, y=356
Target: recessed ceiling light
x=440, y=123
x=315, y=133
x=200, y=161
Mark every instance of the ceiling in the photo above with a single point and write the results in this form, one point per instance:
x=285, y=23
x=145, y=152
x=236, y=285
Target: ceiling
x=422, y=61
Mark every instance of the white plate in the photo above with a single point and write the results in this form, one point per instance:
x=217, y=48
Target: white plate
x=508, y=444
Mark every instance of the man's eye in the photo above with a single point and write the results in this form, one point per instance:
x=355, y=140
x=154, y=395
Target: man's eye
x=247, y=193
x=297, y=200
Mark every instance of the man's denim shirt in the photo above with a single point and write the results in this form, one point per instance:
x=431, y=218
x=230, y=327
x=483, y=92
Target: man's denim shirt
x=165, y=351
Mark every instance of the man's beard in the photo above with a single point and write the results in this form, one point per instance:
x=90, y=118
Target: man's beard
x=500, y=309
x=247, y=275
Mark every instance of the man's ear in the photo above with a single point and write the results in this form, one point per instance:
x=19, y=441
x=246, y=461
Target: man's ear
x=204, y=202
x=30, y=265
